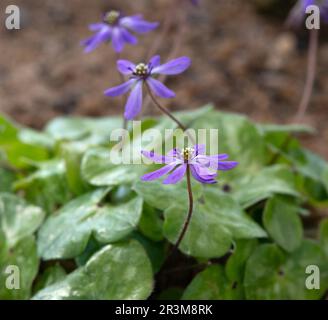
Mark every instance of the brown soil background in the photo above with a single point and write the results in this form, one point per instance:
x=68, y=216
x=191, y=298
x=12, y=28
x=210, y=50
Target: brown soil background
x=243, y=61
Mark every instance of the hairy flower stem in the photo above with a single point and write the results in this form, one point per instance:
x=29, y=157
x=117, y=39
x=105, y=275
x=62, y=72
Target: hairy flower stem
x=311, y=72
x=168, y=113
x=188, y=219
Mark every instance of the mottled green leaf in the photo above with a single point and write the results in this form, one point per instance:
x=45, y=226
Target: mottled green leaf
x=283, y=223
x=98, y=169
x=272, y=274
x=49, y=276
x=161, y=196
x=22, y=258
x=216, y=221
x=66, y=234
x=47, y=186
x=211, y=284
x=17, y=218
x=273, y=180
x=107, y=276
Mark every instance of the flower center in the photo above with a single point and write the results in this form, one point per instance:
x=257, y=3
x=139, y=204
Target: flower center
x=141, y=70
x=187, y=153
x=111, y=17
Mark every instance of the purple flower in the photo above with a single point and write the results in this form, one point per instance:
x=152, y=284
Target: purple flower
x=203, y=168
x=195, y=2
x=116, y=28
x=144, y=73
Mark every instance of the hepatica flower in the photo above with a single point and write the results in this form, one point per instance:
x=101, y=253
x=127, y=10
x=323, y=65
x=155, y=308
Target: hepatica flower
x=195, y=2
x=141, y=74
x=202, y=167
x=117, y=29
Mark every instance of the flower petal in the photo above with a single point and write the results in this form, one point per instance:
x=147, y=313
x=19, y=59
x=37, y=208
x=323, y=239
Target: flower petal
x=207, y=180
x=137, y=24
x=93, y=42
x=97, y=26
x=226, y=165
x=121, y=89
x=158, y=173
x=176, y=175
x=128, y=37
x=134, y=103
x=160, y=89
x=125, y=66
x=209, y=161
x=117, y=39
x=174, y=152
x=200, y=149
x=155, y=61
x=172, y=67
x=157, y=158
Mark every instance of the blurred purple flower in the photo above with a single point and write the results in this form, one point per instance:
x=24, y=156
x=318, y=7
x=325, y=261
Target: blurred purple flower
x=144, y=73
x=299, y=11
x=195, y=2
x=202, y=167
x=116, y=28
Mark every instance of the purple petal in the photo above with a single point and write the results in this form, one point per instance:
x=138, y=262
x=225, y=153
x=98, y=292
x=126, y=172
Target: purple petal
x=128, y=37
x=156, y=157
x=97, y=26
x=158, y=173
x=134, y=103
x=93, y=42
x=137, y=24
x=155, y=61
x=121, y=89
x=200, y=149
x=208, y=180
x=125, y=66
x=172, y=67
x=226, y=165
x=160, y=89
x=117, y=40
x=174, y=152
x=176, y=175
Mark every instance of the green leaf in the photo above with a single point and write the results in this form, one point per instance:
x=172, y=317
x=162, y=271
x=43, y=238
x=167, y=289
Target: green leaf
x=17, y=153
x=107, y=276
x=73, y=153
x=151, y=224
x=36, y=138
x=49, y=276
x=66, y=234
x=324, y=235
x=211, y=284
x=17, y=218
x=265, y=184
x=74, y=128
x=216, y=221
x=155, y=250
x=23, y=257
x=290, y=128
x=272, y=274
x=7, y=178
x=283, y=223
x=98, y=169
x=235, y=267
x=47, y=186
x=159, y=195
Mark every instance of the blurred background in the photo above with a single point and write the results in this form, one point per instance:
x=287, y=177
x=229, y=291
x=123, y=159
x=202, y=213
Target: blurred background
x=244, y=60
